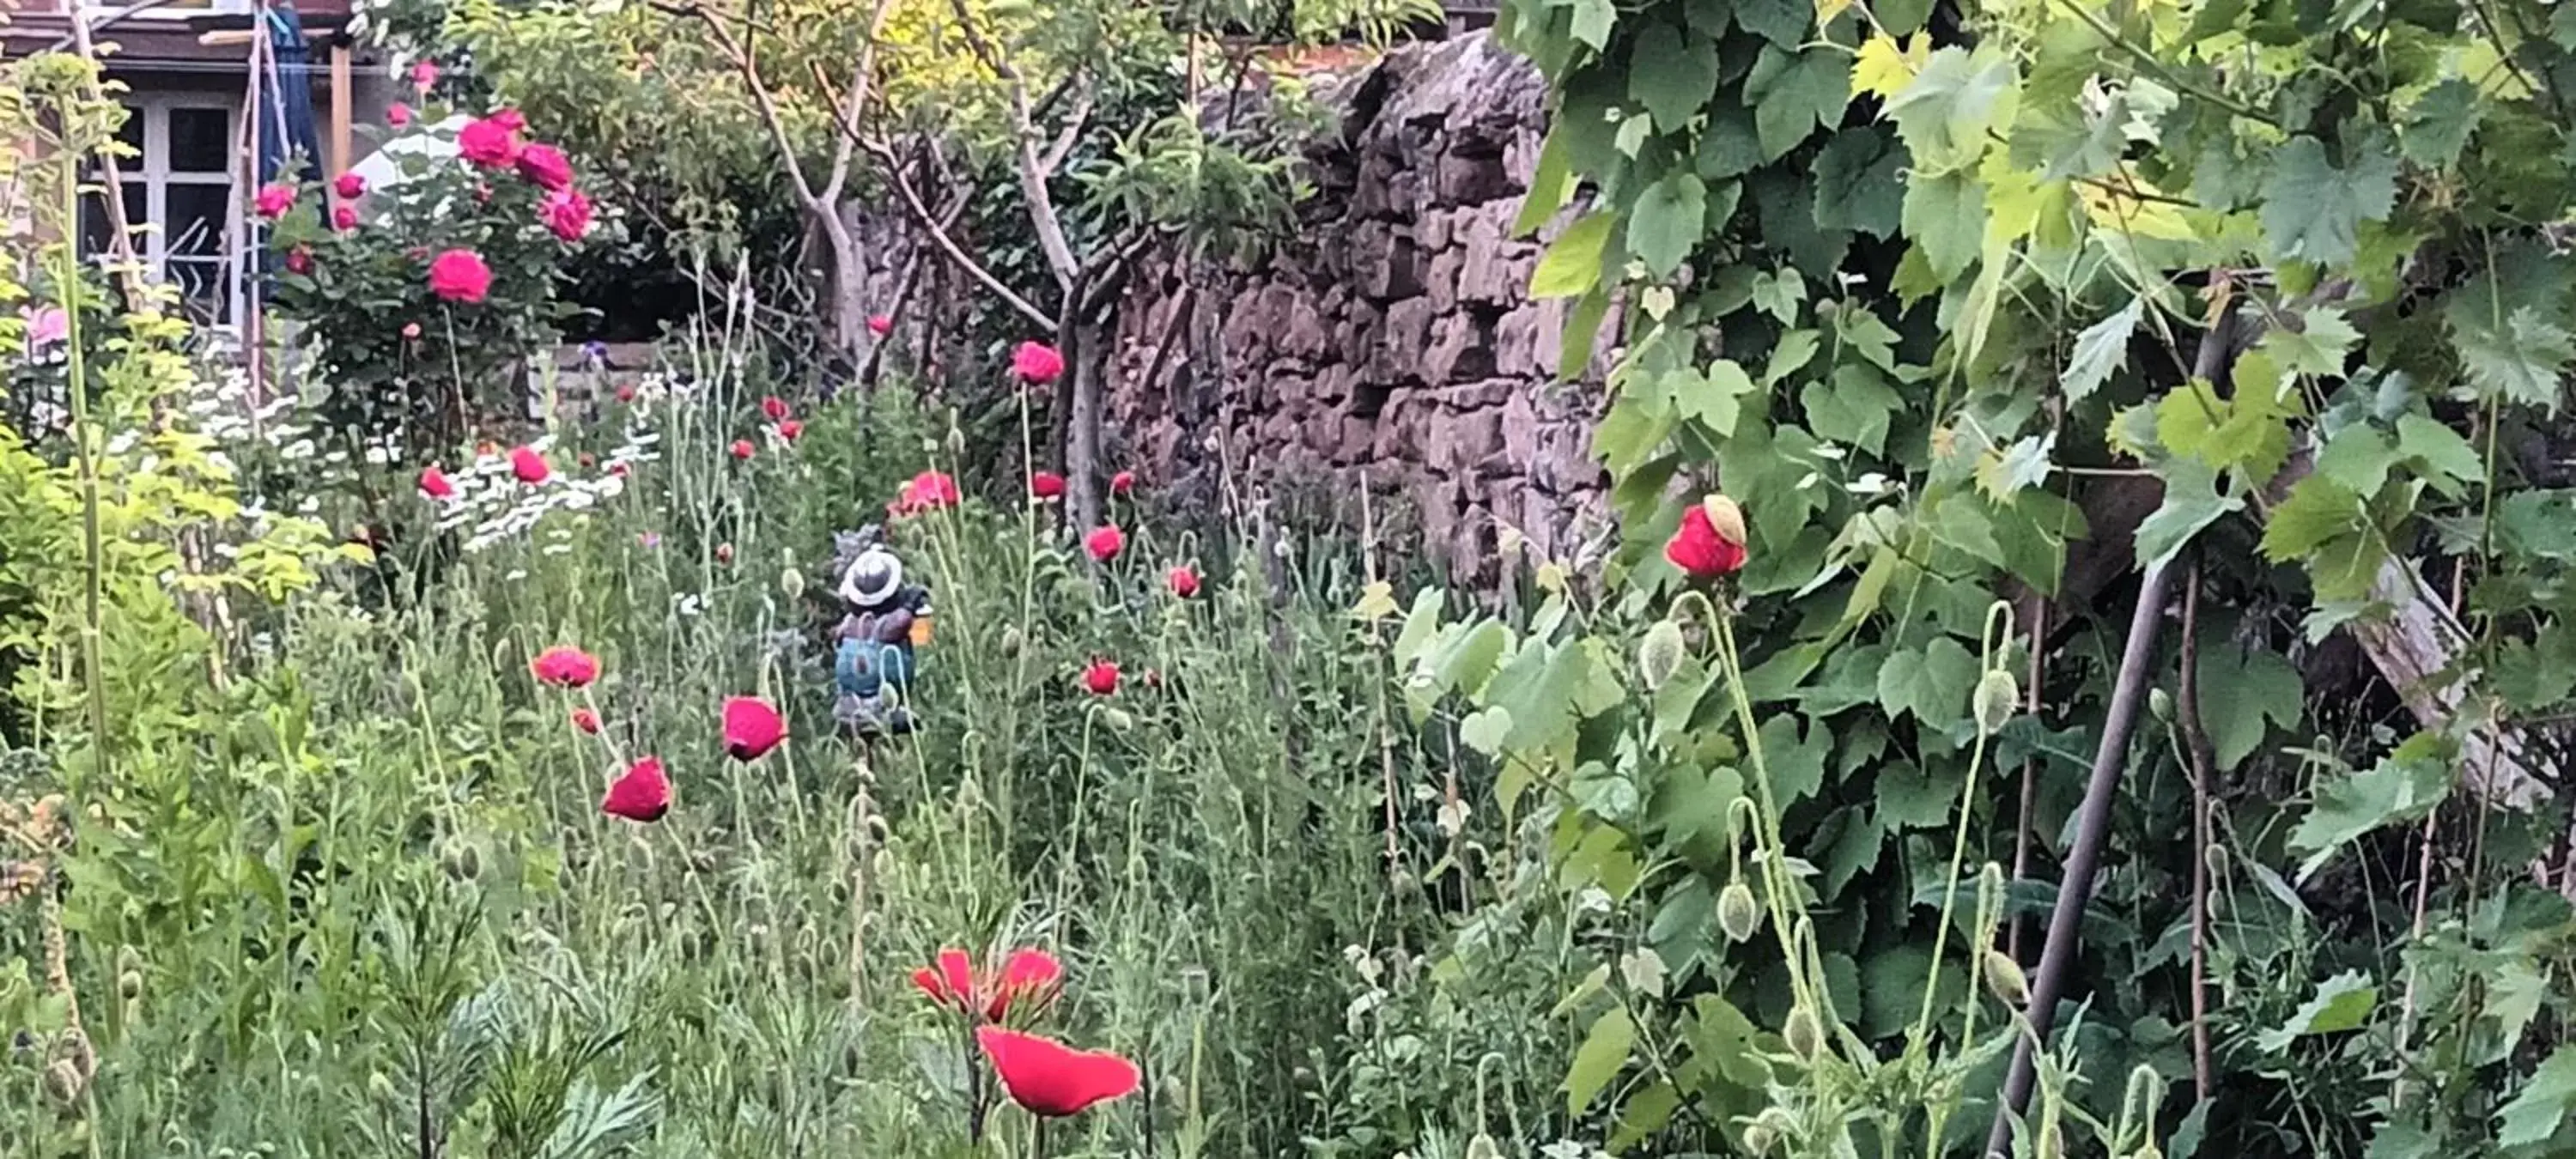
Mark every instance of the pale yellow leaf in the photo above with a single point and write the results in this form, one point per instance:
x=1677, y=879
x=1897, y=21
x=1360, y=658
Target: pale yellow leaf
x=1885, y=68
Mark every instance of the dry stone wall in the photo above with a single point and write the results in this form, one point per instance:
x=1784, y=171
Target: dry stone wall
x=1392, y=344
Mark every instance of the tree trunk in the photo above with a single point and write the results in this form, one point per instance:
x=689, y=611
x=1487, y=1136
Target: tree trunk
x=845, y=317
x=1089, y=360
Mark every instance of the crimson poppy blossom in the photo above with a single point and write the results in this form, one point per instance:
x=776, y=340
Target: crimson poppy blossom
x=880, y=325
x=1037, y=363
x=424, y=74
x=434, y=483
x=752, y=727
x=565, y=666
x=1101, y=677
x=1123, y=483
x=1701, y=549
x=952, y=983
x=789, y=429
x=1053, y=1080
x=1184, y=580
x=923, y=492
x=773, y=406
x=619, y=469
x=625, y=392
x=1027, y=975
x=642, y=793
x=529, y=466
x=1105, y=542
x=724, y=553
x=585, y=720
x=1045, y=485
x=742, y=448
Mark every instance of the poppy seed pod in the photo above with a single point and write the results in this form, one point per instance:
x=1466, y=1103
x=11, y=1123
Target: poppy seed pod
x=129, y=985
x=1483, y=1146
x=1998, y=698
x=1805, y=1036
x=1660, y=654
x=461, y=860
x=2004, y=977
x=1737, y=912
x=791, y=582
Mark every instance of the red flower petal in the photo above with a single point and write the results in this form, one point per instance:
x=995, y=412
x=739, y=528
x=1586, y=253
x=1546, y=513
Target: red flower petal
x=752, y=727
x=1045, y=485
x=1101, y=678
x=529, y=466
x=585, y=720
x=565, y=666
x=1105, y=542
x=642, y=794
x=1052, y=1079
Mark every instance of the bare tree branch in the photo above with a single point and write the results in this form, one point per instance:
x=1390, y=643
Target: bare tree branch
x=939, y=236
x=1033, y=173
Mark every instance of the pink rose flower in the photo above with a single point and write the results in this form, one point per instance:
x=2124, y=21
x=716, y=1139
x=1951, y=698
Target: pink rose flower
x=545, y=167
x=460, y=276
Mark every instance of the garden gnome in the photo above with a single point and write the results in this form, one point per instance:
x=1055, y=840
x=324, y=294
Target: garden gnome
x=873, y=660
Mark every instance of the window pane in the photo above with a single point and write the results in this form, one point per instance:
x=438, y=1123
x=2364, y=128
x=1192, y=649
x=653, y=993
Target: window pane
x=194, y=218
x=97, y=234
x=200, y=140
x=203, y=288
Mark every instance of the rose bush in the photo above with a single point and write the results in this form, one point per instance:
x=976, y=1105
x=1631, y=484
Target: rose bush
x=426, y=295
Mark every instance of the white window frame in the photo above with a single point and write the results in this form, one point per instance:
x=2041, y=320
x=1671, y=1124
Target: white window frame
x=171, y=12
x=152, y=245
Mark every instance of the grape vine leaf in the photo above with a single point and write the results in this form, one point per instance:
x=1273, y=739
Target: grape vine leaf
x=1858, y=183
x=2004, y=473
x=1673, y=74
x=2437, y=127
x=2443, y=451
x=1946, y=217
x=1853, y=407
x=2540, y=1108
x=1796, y=93
x=2313, y=209
x=1712, y=399
x=2191, y=502
x=1951, y=103
x=1882, y=68
x=1932, y=684
x=2404, y=786
x=2519, y=361
x=1593, y=20
x=1571, y=266
x=1551, y=185
x=1782, y=22
x=1668, y=221
x=2240, y=689
x=2099, y=350
x=2341, y=1003
x=1603, y=1053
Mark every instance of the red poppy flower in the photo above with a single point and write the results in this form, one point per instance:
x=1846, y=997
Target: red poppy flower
x=952, y=983
x=565, y=666
x=641, y=794
x=424, y=74
x=625, y=392
x=1037, y=363
x=529, y=466
x=433, y=483
x=1123, y=483
x=880, y=325
x=1051, y=1079
x=1101, y=677
x=1105, y=542
x=585, y=720
x=398, y=114
x=924, y=492
x=1184, y=580
x=1700, y=549
x=774, y=406
x=1027, y=975
x=742, y=448
x=789, y=429
x=752, y=727
x=1045, y=485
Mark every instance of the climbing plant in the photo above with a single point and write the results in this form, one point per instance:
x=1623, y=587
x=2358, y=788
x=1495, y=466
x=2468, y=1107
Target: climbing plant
x=2220, y=343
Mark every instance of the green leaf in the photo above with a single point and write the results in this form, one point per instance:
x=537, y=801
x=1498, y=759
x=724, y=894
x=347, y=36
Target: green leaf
x=1797, y=767
x=2316, y=349
x=1860, y=183
x=2343, y=1003
x=2100, y=349
x=1782, y=22
x=1484, y=729
x=2540, y=674
x=1644, y=1113
x=1909, y=798
x=1537, y=688
x=2438, y=125
x=2248, y=433
x=1945, y=113
x=1728, y=144
x=2518, y=362
x=2313, y=209
x=1673, y=73
x=1603, y=1053
x=2317, y=512
x=2191, y=502
x=2404, y=786
x=1593, y=20
x=1550, y=187
x=2240, y=689
x=1711, y=399
x=2540, y=1107
x=1852, y=408
x=1668, y=222
x=1799, y=94
x=1932, y=684
x=2002, y=474
x=1572, y=264
x=1946, y=217
x=1855, y=848
x=2358, y=458
x=1790, y=354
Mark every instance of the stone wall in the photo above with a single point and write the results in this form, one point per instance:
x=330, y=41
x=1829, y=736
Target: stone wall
x=1392, y=344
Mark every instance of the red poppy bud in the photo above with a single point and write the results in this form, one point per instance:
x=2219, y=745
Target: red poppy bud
x=1037, y=363
x=1184, y=581
x=724, y=553
x=1105, y=542
x=625, y=392
x=742, y=448
x=789, y=429
x=642, y=794
x=1101, y=677
x=618, y=469
x=775, y=407
x=411, y=331
x=752, y=727
x=880, y=325
x=1123, y=483
x=585, y=720
x=1699, y=550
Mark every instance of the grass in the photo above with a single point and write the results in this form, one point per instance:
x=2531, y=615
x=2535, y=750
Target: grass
x=351, y=893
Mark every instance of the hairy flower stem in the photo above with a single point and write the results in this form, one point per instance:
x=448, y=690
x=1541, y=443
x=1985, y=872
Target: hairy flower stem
x=1776, y=880
x=93, y=582
x=1994, y=643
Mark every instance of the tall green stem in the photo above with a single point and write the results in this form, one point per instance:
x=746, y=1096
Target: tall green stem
x=93, y=583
